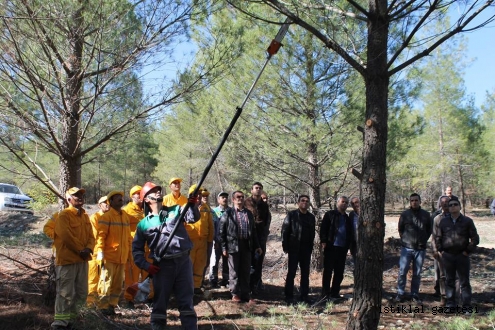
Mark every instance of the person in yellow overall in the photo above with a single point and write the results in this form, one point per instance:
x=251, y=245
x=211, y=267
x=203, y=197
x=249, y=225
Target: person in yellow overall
x=74, y=242
x=94, y=269
x=175, y=197
x=201, y=234
x=113, y=248
x=133, y=273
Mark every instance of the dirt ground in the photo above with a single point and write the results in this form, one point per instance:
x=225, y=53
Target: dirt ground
x=24, y=287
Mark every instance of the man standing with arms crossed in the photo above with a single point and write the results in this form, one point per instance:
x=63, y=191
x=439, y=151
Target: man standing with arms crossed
x=415, y=229
x=74, y=243
x=262, y=220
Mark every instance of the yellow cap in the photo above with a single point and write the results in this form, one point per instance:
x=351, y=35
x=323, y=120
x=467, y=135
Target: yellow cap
x=201, y=190
x=135, y=190
x=174, y=179
x=102, y=200
x=113, y=193
x=75, y=190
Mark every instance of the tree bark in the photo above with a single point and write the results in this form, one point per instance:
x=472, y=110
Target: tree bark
x=368, y=278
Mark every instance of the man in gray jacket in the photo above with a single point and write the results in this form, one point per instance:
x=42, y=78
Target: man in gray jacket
x=415, y=228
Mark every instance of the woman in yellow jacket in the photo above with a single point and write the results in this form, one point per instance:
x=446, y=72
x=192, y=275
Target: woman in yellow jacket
x=201, y=234
x=113, y=248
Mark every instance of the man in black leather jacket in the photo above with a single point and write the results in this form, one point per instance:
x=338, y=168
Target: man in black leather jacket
x=455, y=239
x=298, y=234
x=238, y=239
x=415, y=229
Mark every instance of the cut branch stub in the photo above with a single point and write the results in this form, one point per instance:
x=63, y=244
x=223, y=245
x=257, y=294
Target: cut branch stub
x=369, y=122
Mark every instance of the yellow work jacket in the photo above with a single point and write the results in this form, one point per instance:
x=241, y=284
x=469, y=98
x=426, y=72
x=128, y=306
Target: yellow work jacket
x=114, y=237
x=72, y=234
x=204, y=227
x=49, y=228
x=135, y=215
x=94, y=225
x=170, y=200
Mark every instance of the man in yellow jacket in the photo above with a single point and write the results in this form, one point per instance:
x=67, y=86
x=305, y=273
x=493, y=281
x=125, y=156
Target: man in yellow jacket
x=113, y=248
x=133, y=273
x=201, y=234
x=94, y=269
x=175, y=197
x=74, y=242
x=49, y=228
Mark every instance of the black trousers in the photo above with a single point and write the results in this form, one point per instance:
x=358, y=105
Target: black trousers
x=333, y=262
x=239, y=270
x=301, y=257
x=457, y=264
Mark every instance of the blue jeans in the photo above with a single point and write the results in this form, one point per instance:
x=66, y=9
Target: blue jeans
x=406, y=256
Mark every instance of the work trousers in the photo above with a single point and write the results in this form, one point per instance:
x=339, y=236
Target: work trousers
x=214, y=262
x=175, y=276
x=110, y=287
x=72, y=291
x=333, y=262
x=239, y=270
x=301, y=257
x=198, y=259
x=93, y=278
x=457, y=264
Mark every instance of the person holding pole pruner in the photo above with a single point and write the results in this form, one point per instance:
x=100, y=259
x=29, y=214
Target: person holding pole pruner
x=172, y=269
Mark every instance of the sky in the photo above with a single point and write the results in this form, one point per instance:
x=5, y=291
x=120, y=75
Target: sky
x=480, y=76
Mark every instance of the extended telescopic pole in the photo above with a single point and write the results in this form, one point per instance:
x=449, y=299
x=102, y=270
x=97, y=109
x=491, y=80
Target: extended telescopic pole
x=272, y=50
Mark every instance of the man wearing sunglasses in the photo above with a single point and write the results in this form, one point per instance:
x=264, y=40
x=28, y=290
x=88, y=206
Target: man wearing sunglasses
x=298, y=234
x=456, y=238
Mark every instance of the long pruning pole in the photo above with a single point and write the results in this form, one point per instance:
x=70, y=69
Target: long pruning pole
x=272, y=50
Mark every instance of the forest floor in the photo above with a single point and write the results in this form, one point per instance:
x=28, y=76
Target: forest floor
x=26, y=301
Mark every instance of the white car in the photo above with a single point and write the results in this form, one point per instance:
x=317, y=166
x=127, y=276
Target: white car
x=12, y=199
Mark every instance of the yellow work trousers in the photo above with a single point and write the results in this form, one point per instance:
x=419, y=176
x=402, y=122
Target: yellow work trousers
x=198, y=259
x=110, y=287
x=93, y=278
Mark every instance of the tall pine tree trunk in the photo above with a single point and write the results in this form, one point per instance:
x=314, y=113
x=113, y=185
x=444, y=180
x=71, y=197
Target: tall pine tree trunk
x=70, y=162
x=368, y=276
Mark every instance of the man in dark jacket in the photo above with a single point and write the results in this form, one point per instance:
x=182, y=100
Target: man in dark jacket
x=414, y=230
x=336, y=238
x=455, y=239
x=298, y=234
x=238, y=239
x=262, y=219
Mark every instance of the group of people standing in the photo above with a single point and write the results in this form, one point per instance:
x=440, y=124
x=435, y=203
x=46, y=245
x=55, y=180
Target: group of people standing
x=454, y=238
x=128, y=244
x=120, y=244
